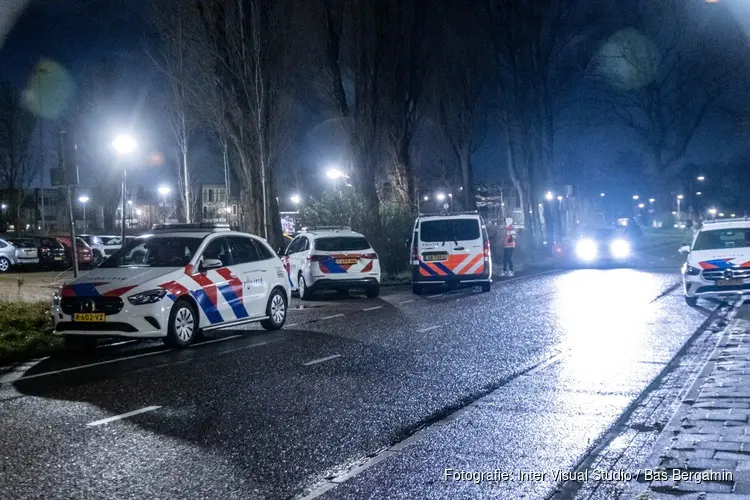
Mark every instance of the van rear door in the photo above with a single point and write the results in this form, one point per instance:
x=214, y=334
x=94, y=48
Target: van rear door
x=451, y=247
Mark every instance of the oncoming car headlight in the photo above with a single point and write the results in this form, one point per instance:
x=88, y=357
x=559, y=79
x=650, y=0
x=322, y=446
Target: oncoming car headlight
x=586, y=249
x=690, y=270
x=619, y=249
x=148, y=297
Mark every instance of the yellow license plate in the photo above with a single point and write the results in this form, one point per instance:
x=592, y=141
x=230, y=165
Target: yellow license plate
x=436, y=256
x=346, y=261
x=89, y=317
x=729, y=282
x=58, y=258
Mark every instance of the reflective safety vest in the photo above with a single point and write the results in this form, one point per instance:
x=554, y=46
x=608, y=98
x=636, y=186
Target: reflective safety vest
x=510, y=236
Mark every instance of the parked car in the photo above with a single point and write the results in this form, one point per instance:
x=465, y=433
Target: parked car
x=111, y=244
x=85, y=255
x=182, y=280
x=26, y=251
x=98, y=248
x=52, y=253
x=7, y=256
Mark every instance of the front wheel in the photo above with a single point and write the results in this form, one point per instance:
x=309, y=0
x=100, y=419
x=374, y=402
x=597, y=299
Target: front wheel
x=275, y=310
x=691, y=301
x=4, y=265
x=182, y=329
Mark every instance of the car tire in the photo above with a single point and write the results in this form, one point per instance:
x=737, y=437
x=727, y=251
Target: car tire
x=691, y=301
x=303, y=290
x=276, y=310
x=4, y=265
x=486, y=287
x=79, y=342
x=182, y=328
x=373, y=292
x=417, y=289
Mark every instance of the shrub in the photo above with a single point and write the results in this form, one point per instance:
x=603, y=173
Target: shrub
x=26, y=330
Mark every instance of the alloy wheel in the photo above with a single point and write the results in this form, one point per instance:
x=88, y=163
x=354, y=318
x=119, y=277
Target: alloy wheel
x=184, y=324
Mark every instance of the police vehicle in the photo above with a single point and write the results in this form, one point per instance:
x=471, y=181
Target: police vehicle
x=179, y=281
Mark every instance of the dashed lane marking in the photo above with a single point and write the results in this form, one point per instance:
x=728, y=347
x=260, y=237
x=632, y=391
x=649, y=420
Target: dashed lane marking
x=406, y=301
x=121, y=416
x=429, y=328
x=321, y=360
x=332, y=316
x=372, y=308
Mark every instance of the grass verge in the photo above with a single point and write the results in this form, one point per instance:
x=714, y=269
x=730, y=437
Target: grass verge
x=25, y=331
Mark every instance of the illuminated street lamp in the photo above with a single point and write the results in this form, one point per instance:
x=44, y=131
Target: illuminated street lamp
x=721, y=215
x=698, y=193
x=426, y=198
x=641, y=205
x=712, y=212
x=295, y=199
x=549, y=196
x=601, y=194
x=559, y=198
x=84, y=199
x=124, y=145
x=635, y=196
x=701, y=178
x=440, y=197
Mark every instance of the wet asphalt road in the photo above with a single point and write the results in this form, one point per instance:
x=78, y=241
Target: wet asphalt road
x=525, y=377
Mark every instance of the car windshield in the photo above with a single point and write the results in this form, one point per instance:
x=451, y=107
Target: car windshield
x=719, y=239
x=154, y=251
x=449, y=230
x=341, y=243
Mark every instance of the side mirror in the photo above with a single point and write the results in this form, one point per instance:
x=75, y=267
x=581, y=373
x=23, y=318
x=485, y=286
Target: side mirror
x=685, y=249
x=211, y=264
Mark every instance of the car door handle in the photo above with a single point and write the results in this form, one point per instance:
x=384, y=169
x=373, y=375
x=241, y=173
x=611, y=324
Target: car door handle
x=459, y=248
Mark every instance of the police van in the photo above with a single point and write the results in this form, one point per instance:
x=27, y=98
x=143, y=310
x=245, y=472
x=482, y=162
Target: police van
x=181, y=280
x=450, y=249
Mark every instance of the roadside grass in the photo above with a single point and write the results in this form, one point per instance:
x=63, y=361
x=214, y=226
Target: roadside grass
x=25, y=331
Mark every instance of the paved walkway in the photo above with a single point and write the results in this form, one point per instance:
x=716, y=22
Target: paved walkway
x=704, y=452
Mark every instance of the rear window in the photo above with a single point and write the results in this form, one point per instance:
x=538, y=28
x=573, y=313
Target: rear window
x=449, y=230
x=341, y=244
x=22, y=243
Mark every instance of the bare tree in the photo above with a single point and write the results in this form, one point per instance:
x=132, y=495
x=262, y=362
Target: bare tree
x=660, y=82
x=17, y=171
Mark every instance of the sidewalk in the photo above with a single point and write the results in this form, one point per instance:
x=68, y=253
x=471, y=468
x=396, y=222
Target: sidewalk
x=704, y=451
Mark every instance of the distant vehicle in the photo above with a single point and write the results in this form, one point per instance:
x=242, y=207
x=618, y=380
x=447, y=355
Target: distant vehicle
x=174, y=284
x=7, y=256
x=26, y=251
x=604, y=245
x=450, y=249
x=718, y=261
x=110, y=244
x=331, y=258
x=52, y=254
x=85, y=255
x=97, y=247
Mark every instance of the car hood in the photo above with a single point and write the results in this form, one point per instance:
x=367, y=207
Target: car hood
x=114, y=282
x=720, y=259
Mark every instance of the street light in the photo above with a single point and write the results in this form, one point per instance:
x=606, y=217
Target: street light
x=559, y=198
x=549, y=196
x=295, y=199
x=440, y=197
x=84, y=199
x=426, y=198
x=698, y=193
x=712, y=212
x=635, y=196
x=701, y=178
x=124, y=145
x=334, y=173
x=641, y=205
x=601, y=194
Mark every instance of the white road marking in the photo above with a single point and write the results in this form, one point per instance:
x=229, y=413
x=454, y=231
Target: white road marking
x=429, y=328
x=217, y=340
x=81, y=367
x=372, y=308
x=120, y=417
x=292, y=325
x=331, y=317
x=406, y=301
x=321, y=360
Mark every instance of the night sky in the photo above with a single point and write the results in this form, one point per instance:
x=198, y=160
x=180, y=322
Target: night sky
x=86, y=35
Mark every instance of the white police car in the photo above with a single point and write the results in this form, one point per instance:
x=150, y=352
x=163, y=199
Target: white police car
x=718, y=261
x=331, y=258
x=181, y=280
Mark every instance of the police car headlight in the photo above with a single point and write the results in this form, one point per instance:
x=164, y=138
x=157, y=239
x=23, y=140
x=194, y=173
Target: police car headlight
x=149, y=297
x=586, y=249
x=690, y=270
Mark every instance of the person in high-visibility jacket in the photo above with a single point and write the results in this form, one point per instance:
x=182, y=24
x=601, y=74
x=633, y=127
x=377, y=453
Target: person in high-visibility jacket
x=509, y=244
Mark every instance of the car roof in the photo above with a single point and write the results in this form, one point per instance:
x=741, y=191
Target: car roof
x=428, y=218
x=329, y=232
x=199, y=234
x=726, y=224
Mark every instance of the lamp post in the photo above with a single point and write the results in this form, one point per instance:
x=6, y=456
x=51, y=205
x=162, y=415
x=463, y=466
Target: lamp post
x=164, y=191
x=84, y=199
x=679, y=202
x=124, y=145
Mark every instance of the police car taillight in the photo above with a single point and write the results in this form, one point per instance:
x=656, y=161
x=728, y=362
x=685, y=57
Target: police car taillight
x=486, y=249
x=369, y=256
x=414, y=252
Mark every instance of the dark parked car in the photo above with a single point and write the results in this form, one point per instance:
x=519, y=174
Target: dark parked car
x=85, y=255
x=52, y=253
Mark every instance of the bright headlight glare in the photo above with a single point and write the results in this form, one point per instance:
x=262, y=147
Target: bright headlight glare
x=148, y=297
x=619, y=249
x=586, y=249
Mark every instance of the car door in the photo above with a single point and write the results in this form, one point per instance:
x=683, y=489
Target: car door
x=213, y=283
x=467, y=252
x=291, y=260
x=251, y=277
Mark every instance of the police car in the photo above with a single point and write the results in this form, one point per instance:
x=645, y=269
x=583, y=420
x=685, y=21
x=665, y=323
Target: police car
x=332, y=258
x=180, y=281
x=718, y=261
